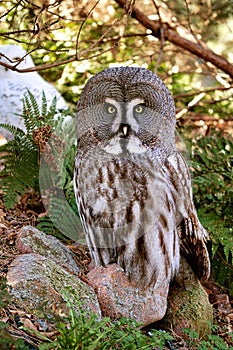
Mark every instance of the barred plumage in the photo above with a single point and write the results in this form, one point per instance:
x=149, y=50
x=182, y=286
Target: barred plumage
x=132, y=186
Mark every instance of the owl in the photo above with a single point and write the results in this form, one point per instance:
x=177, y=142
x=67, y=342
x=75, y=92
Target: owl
x=14, y=86
x=132, y=186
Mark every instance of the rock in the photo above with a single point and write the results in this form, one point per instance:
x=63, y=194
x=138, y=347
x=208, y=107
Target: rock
x=31, y=240
x=188, y=305
x=40, y=278
x=118, y=297
x=40, y=286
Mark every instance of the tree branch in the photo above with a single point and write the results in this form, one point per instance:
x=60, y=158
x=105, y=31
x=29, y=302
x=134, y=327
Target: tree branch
x=172, y=36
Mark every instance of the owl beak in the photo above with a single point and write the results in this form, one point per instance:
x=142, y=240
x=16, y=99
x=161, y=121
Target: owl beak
x=125, y=129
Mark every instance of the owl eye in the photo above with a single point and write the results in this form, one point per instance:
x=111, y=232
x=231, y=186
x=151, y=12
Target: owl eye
x=111, y=109
x=139, y=109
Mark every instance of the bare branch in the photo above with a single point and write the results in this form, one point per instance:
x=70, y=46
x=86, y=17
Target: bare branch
x=171, y=35
x=189, y=22
x=93, y=50
x=193, y=93
x=8, y=11
x=161, y=36
x=82, y=24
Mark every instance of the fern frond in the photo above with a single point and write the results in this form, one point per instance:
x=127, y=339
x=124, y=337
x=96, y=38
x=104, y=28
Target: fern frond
x=12, y=129
x=21, y=155
x=30, y=113
x=42, y=158
x=64, y=218
x=212, y=188
x=44, y=106
x=53, y=107
x=20, y=159
x=32, y=104
x=47, y=226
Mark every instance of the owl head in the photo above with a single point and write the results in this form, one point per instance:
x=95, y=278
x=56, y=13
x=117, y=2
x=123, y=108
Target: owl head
x=14, y=55
x=126, y=109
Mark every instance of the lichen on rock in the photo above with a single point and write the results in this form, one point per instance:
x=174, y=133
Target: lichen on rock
x=41, y=286
x=31, y=240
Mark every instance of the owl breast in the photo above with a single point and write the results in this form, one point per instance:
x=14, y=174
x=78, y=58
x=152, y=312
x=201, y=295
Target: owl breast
x=128, y=213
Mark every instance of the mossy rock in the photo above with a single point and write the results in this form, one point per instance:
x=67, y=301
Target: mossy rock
x=42, y=287
x=188, y=306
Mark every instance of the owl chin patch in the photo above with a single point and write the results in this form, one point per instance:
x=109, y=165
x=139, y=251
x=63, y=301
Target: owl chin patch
x=120, y=145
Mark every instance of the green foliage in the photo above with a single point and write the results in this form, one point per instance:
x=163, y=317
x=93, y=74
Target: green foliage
x=92, y=30
x=212, y=187
x=4, y=293
x=212, y=171
x=42, y=158
x=86, y=332
x=21, y=155
x=212, y=341
x=200, y=15
x=56, y=183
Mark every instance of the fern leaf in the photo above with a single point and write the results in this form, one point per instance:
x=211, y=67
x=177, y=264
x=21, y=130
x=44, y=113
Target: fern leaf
x=53, y=107
x=44, y=106
x=64, y=217
x=21, y=159
x=27, y=116
x=33, y=105
x=12, y=129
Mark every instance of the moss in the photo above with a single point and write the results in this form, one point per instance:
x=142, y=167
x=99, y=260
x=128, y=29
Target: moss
x=41, y=286
x=188, y=306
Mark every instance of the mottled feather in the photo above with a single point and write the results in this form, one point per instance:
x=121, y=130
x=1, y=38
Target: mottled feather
x=132, y=186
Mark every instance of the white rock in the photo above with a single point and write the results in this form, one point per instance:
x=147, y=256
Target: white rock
x=14, y=85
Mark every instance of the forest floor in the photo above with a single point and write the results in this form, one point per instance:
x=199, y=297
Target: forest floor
x=25, y=213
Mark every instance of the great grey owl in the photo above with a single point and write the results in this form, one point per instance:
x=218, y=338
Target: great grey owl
x=14, y=85
x=132, y=186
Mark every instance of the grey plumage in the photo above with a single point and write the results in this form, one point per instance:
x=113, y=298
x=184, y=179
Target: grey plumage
x=132, y=186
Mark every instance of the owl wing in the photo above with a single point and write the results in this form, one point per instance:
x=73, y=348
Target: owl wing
x=192, y=246
x=191, y=232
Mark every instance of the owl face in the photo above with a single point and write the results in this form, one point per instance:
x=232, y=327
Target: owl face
x=126, y=110
x=14, y=56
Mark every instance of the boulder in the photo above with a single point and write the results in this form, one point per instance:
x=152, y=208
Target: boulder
x=188, y=305
x=118, y=297
x=31, y=240
x=41, y=286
